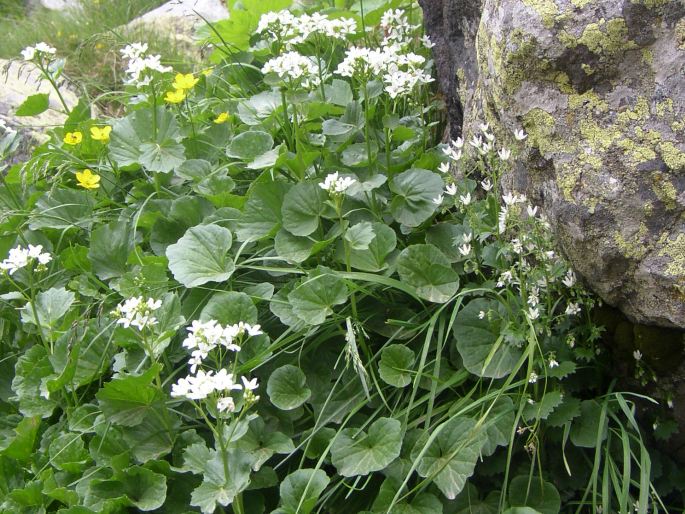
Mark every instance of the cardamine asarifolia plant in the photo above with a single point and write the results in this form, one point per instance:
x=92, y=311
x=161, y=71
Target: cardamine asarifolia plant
x=270, y=287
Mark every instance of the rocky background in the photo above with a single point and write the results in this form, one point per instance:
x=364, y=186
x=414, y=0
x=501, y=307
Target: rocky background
x=599, y=86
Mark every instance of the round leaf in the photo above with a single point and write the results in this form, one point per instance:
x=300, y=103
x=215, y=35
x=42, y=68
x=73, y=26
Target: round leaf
x=230, y=307
x=250, y=144
x=414, y=191
x=429, y=271
x=302, y=207
x=287, y=387
x=534, y=493
x=201, y=256
x=358, y=453
x=395, y=365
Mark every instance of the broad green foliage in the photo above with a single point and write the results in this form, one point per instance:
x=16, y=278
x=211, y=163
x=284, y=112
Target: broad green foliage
x=276, y=290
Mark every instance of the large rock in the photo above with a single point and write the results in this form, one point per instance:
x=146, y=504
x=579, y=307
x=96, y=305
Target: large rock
x=599, y=87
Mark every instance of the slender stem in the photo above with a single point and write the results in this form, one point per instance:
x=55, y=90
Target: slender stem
x=48, y=76
x=367, y=122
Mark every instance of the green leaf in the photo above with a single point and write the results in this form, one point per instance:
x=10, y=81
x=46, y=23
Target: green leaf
x=301, y=489
x=30, y=370
x=230, y=307
x=287, y=387
x=483, y=351
x=302, y=207
x=292, y=248
x=338, y=92
x=109, y=248
x=68, y=453
x=263, y=442
x=34, y=105
x=395, y=367
x=151, y=140
x=360, y=236
x=185, y=212
x=201, y=256
x=414, y=191
x=142, y=488
x=259, y=107
x=451, y=457
x=250, y=144
x=498, y=425
x=262, y=213
x=282, y=308
x=534, y=493
x=373, y=258
x=543, y=408
x=589, y=427
x=313, y=299
x=50, y=306
x=20, y=447
x=358, y=453
x=357, y=154
x=62, y=209
x=564, y=413
x=444, y=236
x=127, y=400
x=429, y=271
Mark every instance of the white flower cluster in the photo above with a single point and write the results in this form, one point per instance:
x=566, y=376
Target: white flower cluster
x=138, y=63
x=291, y=30
x=401, y=72
x=203, y=337
x=20, y=257
x=396, y=28
x=137, y=312
x=30, y=52
x=294, y=67
x=335, y=184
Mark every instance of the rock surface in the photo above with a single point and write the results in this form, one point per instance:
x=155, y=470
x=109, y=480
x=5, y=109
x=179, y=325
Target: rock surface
x=20, y=80
x=599, y=87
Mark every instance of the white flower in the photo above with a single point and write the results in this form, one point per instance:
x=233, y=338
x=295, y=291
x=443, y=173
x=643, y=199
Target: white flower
x=484, y=127
x=476, y=142
x=139, y=63
x=553, y=363
x=20, y=257
x=294, y=67
x=45, y=48
x=533, y=378
x=516, y=246
x=490, y=137
x=467, y=237
x=533, y=313
x=504, y=278
x=532, y=211
x=452, y=153
x=486, y=184
x=249, y=385
x=396, y=27
x=426, y=41
x=451, y=189
x=444, y=167
x=637, y=355
x=136, y=312
x=335, y=184
x=504, y=154
x=502, y=219
x=481, y=315
x=520, y=135
x=533, y=297
x=225, y=404
x=133, y=51
x=401, y=83
x=28, y=53
x=438, y=199
x=465, y=249
x=509, y=199
x=570, y=279
x=458, y=143
x=572, y=309
x=465, y=199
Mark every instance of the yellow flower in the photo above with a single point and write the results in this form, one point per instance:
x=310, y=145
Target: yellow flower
x=186, y=81
x=73, y=138
x=100, y=134
x=87, y=179
x=221, y=118
x=207, y=71
x=175, y=97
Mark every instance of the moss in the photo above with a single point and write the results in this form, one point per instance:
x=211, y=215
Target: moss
x=581, y=3
x=640, y=112
x=635, y=247
x=680, y=34
x=647, y=56
x=588, y=100
x=547, y=9
x=674, y=158
x=567, y=181
x=608, y=42
x=592, y=160
x=675, y=249
x=562, y=81
x=636, y=153
x=648, y=208
x=539, y=125
x=597, y=137
x=664, y=190
x=651, y=3
x=664, y=107
x=589, y=70
x=678, y=126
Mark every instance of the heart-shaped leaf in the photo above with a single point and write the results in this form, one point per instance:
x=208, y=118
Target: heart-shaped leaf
x=428, y=270
x=355, y=452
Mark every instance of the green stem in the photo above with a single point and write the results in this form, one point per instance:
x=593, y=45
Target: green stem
x=366, y=123
x=48, y=76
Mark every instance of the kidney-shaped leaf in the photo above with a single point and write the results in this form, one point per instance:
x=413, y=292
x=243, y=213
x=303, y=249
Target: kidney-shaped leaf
x=301, y=489
x=414, y=191
x=287, y=387
x=477, y=331
x=302, y=207
x=262, y=213
x=250, y=144
x=355, y=452
x=534, y=493
x=314, y=297
x=395, y=365
x=428, y=270
x=230, y=307
x=201, y=256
